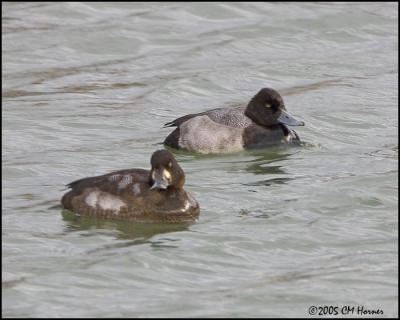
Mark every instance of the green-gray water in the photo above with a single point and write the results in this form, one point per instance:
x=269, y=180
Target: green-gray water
x=87, y=88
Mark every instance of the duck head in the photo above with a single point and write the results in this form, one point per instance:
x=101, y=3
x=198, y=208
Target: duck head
x=165, y=171
x=267, y=108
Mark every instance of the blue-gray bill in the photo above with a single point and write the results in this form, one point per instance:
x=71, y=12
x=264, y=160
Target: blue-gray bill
x=160, y=182
x=286, y=118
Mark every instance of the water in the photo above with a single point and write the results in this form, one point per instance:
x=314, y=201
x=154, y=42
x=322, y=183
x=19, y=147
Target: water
x=87, y=88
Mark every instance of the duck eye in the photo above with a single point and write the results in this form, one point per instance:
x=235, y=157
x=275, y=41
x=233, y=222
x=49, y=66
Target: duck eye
x=267, y=105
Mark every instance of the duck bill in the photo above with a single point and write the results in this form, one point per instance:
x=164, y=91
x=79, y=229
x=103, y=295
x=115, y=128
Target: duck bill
x=286, y=118
x=160, y=182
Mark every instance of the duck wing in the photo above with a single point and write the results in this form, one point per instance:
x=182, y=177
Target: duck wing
x=177, y=122
x=231, y=116
x=111, y=180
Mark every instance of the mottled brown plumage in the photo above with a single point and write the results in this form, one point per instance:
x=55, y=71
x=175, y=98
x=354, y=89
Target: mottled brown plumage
x=135, y=194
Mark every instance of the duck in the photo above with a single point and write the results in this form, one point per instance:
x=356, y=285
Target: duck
x=155, y=195
x=263, y=123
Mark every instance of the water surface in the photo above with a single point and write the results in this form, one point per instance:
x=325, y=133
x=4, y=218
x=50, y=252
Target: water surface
x=87, y=88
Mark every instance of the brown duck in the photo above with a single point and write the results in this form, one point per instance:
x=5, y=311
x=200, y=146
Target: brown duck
x=135, y=194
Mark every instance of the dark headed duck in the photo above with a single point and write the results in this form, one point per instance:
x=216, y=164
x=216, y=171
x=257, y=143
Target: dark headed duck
x=135, y=194
x=263, y=123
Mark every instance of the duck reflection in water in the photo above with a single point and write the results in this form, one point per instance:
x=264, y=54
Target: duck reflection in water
x=266, y=164
x=138, y=231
